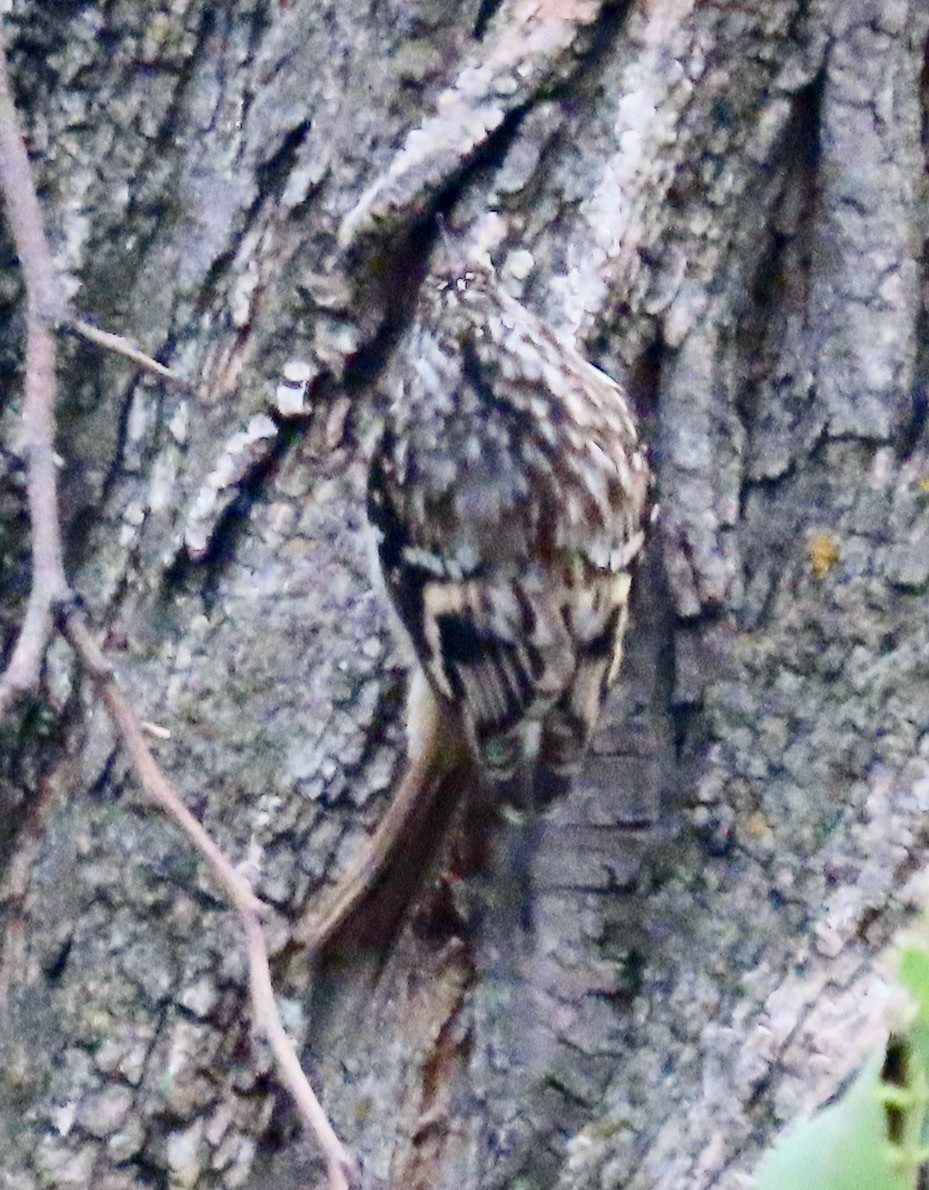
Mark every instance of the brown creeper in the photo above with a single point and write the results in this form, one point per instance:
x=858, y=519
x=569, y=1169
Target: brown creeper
x=508, y=497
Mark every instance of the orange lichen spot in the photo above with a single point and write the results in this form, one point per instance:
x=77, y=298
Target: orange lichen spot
x=922, y=484
x=823, y=553
x=758, y=826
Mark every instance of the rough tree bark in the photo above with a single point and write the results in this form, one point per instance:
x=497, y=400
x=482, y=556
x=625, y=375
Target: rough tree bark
x=726, y=201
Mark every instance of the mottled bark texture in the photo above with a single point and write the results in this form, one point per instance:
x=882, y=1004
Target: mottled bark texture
x=728, y=200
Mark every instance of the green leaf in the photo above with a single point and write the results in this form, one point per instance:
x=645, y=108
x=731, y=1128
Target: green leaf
x=913, y=972
x=874, y=1137
x=844, y=1147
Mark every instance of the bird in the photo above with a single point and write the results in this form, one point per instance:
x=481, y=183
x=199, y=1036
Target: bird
x=508, y=495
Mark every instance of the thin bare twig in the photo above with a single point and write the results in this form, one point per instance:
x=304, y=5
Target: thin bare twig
x=37, y=431
x=341, y=1168
x=153, y=780
x=122, y=346
x=37, y=427
x=51, y=593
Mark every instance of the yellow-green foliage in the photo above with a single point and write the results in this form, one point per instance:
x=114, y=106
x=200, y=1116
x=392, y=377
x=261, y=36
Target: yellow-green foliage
x=875, y=1136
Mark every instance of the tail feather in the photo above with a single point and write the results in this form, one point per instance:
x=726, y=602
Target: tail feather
x=369, y=902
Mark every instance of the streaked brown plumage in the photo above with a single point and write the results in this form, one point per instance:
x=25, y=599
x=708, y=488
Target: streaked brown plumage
x=508, y=495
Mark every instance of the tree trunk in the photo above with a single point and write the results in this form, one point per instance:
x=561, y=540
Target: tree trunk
x=724, y=202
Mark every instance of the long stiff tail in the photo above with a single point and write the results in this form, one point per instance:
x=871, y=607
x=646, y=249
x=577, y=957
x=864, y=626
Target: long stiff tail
x=368, y=904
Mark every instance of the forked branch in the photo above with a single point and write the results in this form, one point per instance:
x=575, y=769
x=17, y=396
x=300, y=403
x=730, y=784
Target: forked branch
x=51, y=599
